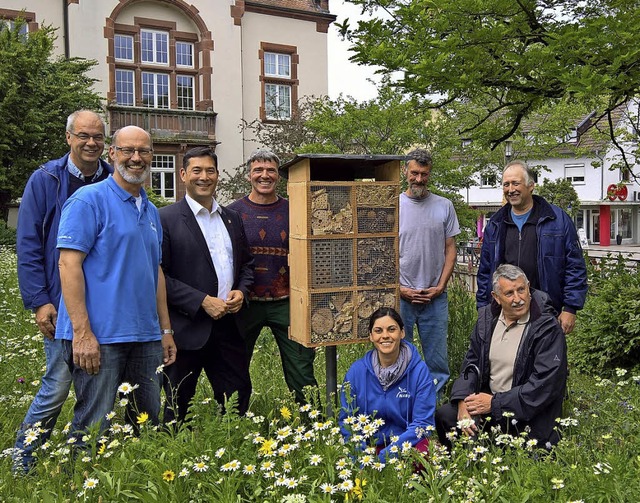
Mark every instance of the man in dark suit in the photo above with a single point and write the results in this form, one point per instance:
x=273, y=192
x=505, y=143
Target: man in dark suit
x=208, y=270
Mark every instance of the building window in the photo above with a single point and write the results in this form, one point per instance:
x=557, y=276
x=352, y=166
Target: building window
x=124, y=88
x=185, y=92
x=154, y=47
x=11, y=25
x=123, y=47
x=137, y=53
x=488, y=180
x=574, y=173
x=279, y=73
x=625, y=175
x=163, y=176
x=277, y=65
x=277, y=101
x=21, y=20
x=621, y=223
x=184, y=54
x=155, y=90
x=572, y=136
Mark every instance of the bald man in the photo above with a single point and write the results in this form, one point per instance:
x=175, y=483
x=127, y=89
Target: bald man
x=113, y=318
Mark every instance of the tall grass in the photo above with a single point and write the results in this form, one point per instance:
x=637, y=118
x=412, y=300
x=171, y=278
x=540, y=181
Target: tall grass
x=280, y=452
x=462, y=318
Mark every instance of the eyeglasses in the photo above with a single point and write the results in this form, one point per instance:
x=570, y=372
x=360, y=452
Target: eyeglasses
x=98, y=138
x=128, y=151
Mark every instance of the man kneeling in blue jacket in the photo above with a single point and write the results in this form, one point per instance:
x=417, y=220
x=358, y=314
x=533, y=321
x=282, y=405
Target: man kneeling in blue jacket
x=515, y=372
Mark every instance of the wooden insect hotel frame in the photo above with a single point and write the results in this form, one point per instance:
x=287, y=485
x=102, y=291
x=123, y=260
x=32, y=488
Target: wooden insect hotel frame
x=343, y=244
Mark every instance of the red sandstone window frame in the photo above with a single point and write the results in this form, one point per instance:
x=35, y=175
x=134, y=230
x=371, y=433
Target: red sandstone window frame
x=277, y=80
x=156, y=65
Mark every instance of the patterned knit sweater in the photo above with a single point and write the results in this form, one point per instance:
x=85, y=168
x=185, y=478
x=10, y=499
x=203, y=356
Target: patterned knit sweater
x=267, y=230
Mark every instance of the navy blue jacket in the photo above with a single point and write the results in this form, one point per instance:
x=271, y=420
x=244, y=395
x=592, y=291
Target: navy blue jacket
x=191, y=275
x=407, y=407
x=539, y=372
x=562, y=271
x=38, y=219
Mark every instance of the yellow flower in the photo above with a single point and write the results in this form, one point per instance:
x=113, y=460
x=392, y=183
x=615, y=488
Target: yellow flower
x=168, y=475
x=358, y=490
x=103, y=448
x=267, y=447
x=142, y=418
x=285, y=412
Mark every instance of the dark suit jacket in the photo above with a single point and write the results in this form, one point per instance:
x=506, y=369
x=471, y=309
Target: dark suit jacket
x=190, y=274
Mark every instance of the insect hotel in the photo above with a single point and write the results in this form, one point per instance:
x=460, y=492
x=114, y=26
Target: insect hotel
x=343, y=244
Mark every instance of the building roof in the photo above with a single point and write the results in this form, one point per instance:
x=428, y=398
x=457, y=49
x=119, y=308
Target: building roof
x=589, y=135
x=306, y=10
x=301, y=5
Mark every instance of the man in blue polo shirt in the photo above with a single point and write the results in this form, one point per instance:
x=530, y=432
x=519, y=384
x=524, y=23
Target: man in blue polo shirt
x=113, y=317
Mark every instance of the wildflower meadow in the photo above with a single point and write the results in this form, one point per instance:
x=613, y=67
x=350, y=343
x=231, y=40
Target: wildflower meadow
x=284, y=452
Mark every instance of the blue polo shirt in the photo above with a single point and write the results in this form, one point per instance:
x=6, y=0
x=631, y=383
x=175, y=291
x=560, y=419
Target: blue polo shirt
x=123, y=247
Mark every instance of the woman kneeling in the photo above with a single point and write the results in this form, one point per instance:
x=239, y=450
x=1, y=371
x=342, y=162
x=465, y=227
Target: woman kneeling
x=392, y=383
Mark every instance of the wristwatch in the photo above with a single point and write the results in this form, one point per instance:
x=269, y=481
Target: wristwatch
x=167, y=331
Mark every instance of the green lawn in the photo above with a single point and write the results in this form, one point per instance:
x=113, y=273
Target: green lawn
x=280, y=452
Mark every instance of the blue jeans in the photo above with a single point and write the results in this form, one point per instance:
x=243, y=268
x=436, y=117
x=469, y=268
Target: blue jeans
x=432, y=320
x=132, y=362
x=46, y=405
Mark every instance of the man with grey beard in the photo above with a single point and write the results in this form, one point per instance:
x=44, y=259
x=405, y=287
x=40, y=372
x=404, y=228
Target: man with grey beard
x=113, y=317
x=515, y=372
x=428, y=226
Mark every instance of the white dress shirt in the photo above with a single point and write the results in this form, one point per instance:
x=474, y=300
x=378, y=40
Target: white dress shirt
x=218, y=241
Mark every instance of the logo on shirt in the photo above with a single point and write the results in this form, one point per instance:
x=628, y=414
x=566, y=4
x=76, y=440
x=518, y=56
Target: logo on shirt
x=403, y=393
x=153, y=227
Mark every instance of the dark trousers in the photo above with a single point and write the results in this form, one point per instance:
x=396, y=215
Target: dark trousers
x=297, y=360
x=224, y=360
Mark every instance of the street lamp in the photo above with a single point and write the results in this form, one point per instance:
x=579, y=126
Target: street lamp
x=508, y=150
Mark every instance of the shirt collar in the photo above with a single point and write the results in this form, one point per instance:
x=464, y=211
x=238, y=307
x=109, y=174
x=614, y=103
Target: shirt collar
x=522, y=321
x=75, y=171
x=123, y=194
x=196, y=207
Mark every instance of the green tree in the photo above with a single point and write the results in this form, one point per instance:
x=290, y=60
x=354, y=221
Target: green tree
x=507, y=60
x=390, y=124
x=37, y=93
x=561, y=193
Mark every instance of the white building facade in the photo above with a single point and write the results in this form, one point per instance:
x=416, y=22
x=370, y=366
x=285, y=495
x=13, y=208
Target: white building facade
x=609, y=197
x=190, y=72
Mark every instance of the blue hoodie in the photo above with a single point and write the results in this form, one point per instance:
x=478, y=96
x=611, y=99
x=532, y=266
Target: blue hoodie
x=407, y=407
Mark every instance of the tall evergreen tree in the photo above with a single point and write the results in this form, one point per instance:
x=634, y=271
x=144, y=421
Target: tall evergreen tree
x=37, y=93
